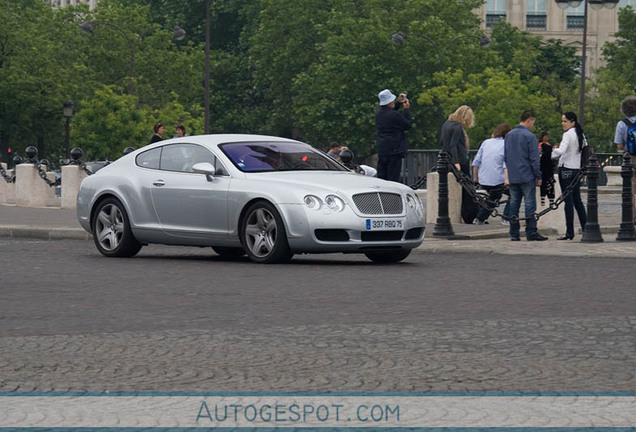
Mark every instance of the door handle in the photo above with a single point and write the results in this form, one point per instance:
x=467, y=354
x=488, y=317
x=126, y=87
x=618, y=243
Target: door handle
x=159, y=183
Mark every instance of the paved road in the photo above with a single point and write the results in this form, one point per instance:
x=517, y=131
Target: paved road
x=183, y=320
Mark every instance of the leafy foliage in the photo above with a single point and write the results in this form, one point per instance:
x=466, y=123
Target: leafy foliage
x=309, y=69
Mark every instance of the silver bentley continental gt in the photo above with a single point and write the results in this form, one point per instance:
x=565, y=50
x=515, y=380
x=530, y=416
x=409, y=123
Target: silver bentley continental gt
x=265, y=197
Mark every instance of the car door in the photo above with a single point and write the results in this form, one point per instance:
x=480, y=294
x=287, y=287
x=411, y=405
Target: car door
x=190, y=205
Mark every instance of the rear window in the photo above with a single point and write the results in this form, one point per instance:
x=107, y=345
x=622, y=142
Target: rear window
x=149, y=159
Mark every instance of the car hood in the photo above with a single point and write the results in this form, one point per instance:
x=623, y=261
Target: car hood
x=346, y=183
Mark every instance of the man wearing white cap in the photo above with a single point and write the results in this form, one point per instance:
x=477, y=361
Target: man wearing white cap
x=390, y=137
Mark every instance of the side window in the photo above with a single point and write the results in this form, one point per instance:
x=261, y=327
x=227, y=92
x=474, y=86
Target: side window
x=181, y=157
x=149, y=159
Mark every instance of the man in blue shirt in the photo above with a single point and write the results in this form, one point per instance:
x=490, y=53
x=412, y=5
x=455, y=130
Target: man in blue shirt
x=522, y=175
x=628, y=108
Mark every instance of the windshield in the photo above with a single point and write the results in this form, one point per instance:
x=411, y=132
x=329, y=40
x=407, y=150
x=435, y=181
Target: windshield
x=278, y=156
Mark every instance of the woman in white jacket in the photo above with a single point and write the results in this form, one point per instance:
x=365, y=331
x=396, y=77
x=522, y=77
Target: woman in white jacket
x=569, y=155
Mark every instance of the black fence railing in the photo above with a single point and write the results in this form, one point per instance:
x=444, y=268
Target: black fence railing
x=418, y=163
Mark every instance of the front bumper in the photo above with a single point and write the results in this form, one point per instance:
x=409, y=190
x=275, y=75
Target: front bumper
x=311, y=231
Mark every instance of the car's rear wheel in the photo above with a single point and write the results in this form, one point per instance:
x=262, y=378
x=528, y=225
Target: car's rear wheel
x=111, y=230
x=263, y=234
x=229, y=252
x=388, y=256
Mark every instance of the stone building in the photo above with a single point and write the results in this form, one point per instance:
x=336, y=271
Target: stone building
x=545, y=18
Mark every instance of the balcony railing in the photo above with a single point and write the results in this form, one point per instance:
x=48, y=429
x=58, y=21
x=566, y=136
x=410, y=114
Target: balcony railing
x=575, y=22
x=536, y=22
x=493, y=19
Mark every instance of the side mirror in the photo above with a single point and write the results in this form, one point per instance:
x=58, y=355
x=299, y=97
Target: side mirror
x=204, y=168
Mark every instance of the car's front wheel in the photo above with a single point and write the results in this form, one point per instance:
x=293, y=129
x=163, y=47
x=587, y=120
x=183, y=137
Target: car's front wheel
x=263, y=234
x=388, y=256
x=111, y=230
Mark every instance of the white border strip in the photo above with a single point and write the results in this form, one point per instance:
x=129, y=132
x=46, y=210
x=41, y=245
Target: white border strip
x=317, y=411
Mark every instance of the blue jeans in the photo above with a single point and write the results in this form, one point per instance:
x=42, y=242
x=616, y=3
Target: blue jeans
x=572, y=201
x=528, y=192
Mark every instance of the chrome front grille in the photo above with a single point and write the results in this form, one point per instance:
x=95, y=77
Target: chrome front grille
x=379, y=203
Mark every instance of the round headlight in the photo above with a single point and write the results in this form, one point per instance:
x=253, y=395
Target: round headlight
x=313, y=202
x=335, y=203
x=415, y=204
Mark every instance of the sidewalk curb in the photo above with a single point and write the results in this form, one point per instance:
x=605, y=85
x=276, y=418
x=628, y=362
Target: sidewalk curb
x=22, y=231
x=25, y=231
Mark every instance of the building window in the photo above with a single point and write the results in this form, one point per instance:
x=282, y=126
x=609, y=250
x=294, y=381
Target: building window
x=495, y=12
x=576, y=17
x=536, y=15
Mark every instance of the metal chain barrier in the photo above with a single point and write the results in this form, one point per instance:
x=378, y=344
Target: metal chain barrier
x=478, y=197
x=8, y=178
x=471, y=188
x=81, y=164
x=42, y=172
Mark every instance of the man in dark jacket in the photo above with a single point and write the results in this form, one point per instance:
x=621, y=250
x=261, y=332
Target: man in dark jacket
x=522, y=175
x=390, y=139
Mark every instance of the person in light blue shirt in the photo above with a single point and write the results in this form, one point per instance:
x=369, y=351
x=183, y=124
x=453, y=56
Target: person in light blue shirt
x=488, y=171
x=628, y=108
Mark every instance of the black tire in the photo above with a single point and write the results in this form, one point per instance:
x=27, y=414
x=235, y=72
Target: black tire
x=229, y=252
x=388, y=257
x=111, y=230
x=263, y=235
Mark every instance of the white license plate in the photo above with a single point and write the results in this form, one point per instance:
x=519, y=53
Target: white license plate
x=384, y=224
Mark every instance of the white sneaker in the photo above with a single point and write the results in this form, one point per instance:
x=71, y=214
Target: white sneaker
x=504, y=222
x=478, y=222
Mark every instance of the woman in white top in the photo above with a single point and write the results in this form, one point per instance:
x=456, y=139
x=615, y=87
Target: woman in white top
x=569, y=154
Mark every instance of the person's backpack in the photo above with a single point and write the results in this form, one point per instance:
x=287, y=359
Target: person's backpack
x=630, y=142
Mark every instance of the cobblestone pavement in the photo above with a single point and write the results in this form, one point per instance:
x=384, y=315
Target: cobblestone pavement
x=486, y=355
x=591, y=353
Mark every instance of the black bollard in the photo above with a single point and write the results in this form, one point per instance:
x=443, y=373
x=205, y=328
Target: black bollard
x=592, y=231
x=626, y=231
x=31, y=154
x=443, y=227
x=76, y=153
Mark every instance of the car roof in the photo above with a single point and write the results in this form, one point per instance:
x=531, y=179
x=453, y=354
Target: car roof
x=213, y=140
x=216, y=139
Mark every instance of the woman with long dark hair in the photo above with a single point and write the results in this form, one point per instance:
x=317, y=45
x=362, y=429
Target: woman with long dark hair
x=569, y=154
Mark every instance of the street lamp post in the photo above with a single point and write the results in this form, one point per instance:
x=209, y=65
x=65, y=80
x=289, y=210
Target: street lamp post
x=206, y=124
x=595, y=4
x=89, y=26
x=484, y=41
x=68, y=113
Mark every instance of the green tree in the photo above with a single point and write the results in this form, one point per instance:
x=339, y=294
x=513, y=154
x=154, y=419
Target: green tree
x=619, y=55
x=109, y=122
x=37, y=74
x=612, y=83
x=335, y=98
x=496, y=97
